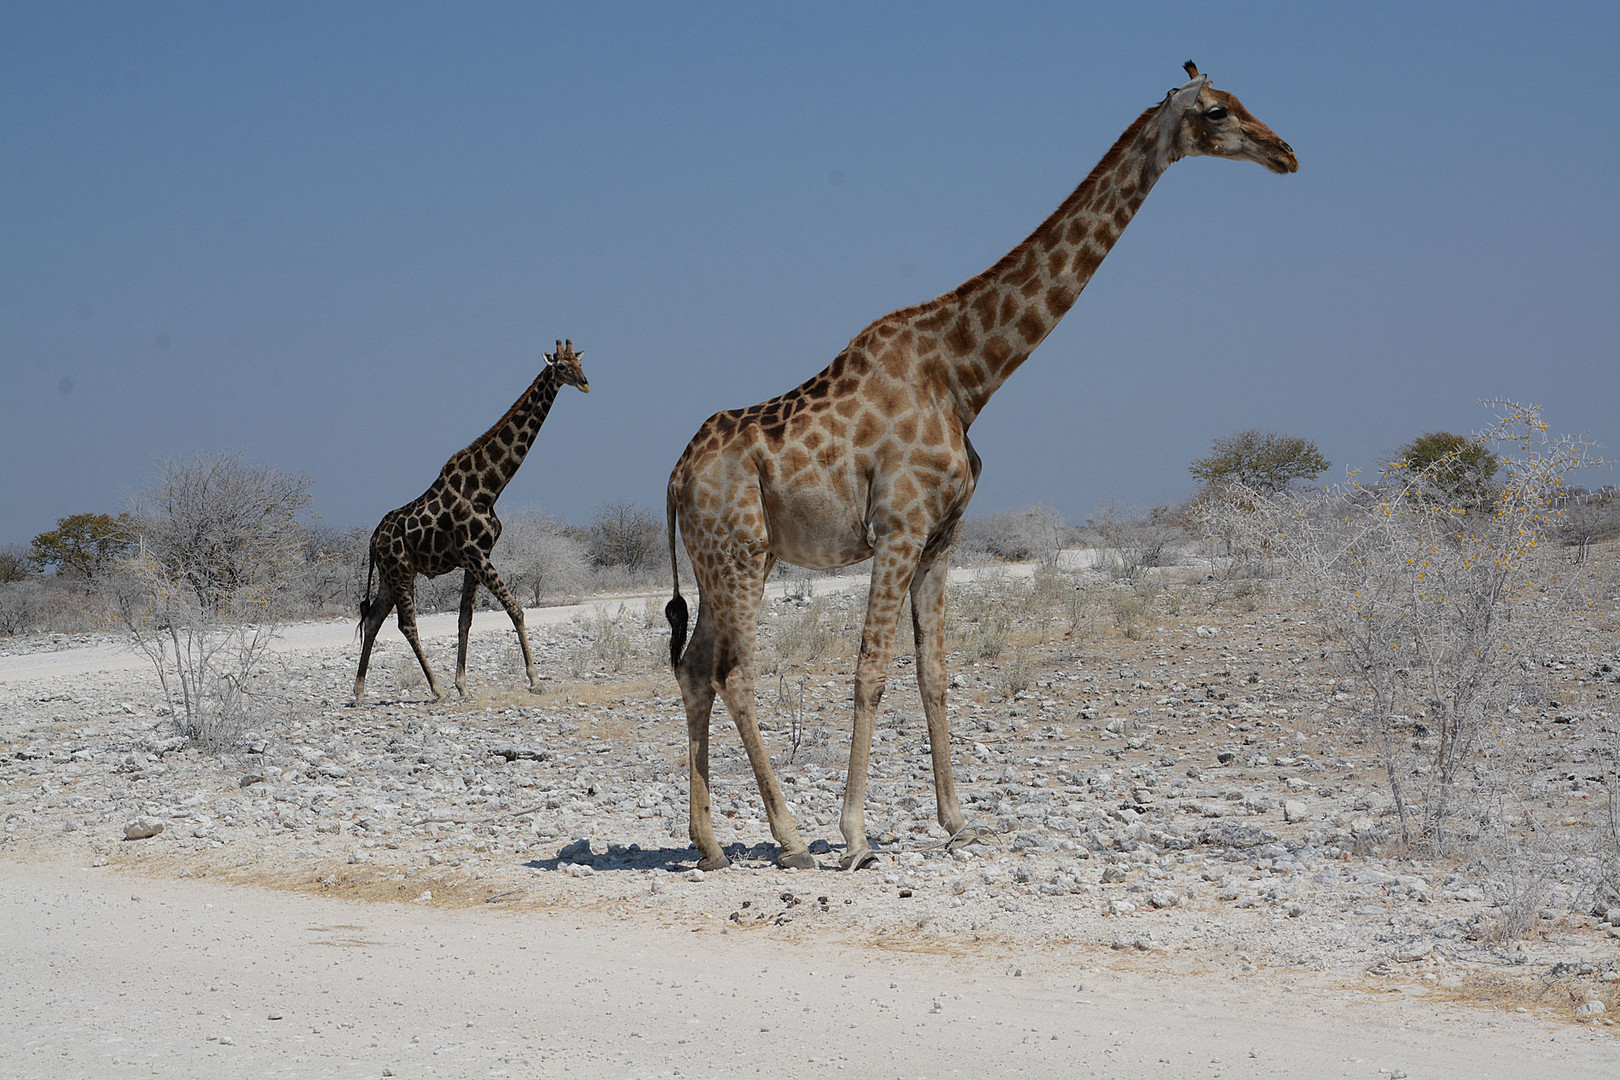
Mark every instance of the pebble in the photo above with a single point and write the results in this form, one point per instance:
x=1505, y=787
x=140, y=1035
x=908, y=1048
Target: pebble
x=587, y=792
x=143, y=828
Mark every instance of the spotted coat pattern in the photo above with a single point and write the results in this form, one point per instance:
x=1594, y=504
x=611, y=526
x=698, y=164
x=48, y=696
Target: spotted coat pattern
x=453, y=525
x=871, y=458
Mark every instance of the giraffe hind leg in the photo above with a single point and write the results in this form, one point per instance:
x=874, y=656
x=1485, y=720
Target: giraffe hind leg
x=373, y=615
x=740, y=587
x=928, y=627
x=406, y=601
x=694, y=674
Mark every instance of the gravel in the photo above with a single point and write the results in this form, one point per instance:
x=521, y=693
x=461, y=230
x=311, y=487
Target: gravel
x=1201, y=790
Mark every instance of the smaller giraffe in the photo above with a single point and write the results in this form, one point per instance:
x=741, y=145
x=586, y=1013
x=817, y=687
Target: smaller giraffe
x=453, y=524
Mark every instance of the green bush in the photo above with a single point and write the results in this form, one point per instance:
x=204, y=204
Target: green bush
x=83, y=546
x=1455, y=470
x=1260, y=460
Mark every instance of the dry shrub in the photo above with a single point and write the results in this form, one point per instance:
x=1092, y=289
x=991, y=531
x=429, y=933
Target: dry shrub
x=1433, y=608
x=1133, y=608
x=822, y=627
x=1034, y=534
x=1131, y=544
x=979, y=624
x=608, y=646
x=1522, y=873
x=1018, y=673
x=214, y=572
x=542, y=560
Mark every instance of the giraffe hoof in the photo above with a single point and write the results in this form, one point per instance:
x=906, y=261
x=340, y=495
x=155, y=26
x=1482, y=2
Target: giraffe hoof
x=710, y=864
x=863, y=859
x=801, y=861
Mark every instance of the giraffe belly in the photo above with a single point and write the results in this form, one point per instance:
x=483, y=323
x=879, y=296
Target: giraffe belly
x=814, y=533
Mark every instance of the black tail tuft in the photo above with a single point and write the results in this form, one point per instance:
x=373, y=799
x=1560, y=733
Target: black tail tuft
x=675, y=612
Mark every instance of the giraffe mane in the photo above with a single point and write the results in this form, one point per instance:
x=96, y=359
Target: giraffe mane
x=1019, y=253
x=506, y=416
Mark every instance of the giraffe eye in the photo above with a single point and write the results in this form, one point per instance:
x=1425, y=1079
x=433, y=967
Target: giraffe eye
x=1217, y=113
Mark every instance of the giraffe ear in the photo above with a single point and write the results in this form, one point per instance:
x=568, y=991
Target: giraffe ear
x=1183, y=98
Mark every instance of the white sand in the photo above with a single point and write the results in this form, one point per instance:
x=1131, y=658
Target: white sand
x=113, y=975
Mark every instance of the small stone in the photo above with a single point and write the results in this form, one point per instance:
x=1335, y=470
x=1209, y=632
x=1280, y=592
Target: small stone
x=1119, y=907
x=1163, y=899
x=1592, y=1007
x=143, y=828
x=1294, y=810
x=578, y=851
x=693, y=875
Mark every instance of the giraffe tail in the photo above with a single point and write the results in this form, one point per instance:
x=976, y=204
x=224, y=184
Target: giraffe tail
x=675, y=610
x=366, y=601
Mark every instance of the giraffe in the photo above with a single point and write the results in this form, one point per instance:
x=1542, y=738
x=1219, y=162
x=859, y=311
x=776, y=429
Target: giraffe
x=871, y=459
x=453, y=524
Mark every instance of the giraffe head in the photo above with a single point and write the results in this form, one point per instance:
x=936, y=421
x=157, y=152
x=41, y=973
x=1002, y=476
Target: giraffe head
x=565, y=361
x=1199, y=119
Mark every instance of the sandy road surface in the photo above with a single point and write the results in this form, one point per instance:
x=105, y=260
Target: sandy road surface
x=114, y=975
x=294, y=637
x=336, y=632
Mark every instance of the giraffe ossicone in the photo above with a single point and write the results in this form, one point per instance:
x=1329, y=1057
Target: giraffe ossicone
x=452, y=525
x=871, y=459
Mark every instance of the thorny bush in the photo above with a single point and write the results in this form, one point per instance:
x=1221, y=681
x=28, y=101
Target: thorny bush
x=1435, y=608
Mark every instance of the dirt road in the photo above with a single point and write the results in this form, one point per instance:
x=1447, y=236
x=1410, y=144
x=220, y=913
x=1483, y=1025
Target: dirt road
x=110, y=974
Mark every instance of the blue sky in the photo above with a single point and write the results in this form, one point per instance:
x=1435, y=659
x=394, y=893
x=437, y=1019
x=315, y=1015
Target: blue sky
x=337, y=238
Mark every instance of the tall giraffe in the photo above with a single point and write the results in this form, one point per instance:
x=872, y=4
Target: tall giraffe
x=453, y=524
x=871, y=458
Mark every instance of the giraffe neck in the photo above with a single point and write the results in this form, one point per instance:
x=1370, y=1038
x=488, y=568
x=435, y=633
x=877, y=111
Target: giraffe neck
x=988, y=326
x=493, y=458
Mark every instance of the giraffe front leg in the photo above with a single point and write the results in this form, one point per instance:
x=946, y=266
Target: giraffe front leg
x=514, y=611
x=928, y=627
x=892, y=568
x=469, y=596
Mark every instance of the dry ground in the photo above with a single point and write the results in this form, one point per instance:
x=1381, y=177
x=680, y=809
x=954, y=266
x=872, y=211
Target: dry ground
x=1171, y=769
